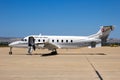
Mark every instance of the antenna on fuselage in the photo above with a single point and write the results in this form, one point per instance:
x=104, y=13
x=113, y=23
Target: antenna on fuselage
x=40, y=34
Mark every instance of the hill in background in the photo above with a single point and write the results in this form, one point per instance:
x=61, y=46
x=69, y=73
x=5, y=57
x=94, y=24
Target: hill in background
x=9, y=39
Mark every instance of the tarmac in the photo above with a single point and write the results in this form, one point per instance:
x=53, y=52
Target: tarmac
x=70, y=64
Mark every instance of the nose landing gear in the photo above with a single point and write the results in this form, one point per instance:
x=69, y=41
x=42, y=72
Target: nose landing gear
x=10, y=52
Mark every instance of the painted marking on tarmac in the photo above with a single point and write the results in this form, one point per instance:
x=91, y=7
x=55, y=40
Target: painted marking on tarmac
x=96, y=71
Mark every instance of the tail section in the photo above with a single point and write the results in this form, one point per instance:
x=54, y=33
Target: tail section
x=103, y=33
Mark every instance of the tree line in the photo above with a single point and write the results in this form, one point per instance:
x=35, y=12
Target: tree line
x=4, y=44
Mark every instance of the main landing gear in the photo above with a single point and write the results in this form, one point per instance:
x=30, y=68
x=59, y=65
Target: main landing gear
x=54, y=52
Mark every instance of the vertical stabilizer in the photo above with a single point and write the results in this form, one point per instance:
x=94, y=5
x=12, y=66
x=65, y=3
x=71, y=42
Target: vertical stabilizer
x=105, y=30
x=103, y=33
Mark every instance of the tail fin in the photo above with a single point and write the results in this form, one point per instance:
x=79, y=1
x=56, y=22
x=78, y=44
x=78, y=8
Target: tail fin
x=103, y=33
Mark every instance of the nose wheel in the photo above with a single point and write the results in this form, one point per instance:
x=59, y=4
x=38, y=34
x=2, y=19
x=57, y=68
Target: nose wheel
x=10, y=52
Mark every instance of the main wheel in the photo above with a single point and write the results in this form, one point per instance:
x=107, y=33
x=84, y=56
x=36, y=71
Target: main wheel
x=54, y=52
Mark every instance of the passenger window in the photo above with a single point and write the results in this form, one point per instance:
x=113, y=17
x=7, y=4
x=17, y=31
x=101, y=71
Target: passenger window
x=52, y=40
x=43, y=40
x=71, y=41
x=66, y=41
x=62, y=41
x=57, y=40
x=39, y=40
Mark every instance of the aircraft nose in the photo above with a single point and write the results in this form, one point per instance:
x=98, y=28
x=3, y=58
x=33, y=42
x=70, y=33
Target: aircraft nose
x=11, y=44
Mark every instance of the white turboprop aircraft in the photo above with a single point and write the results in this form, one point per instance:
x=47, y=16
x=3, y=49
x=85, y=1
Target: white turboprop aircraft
x=54, y=42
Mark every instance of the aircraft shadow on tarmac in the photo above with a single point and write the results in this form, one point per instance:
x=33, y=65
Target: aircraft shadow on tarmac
x=53, y=54
x=44, y=55
x=48, y=54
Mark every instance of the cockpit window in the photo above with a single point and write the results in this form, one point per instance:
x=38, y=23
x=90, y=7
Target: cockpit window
x=25, y=40
x=22, y=39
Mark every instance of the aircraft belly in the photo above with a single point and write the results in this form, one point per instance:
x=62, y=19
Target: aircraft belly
x=73, y=45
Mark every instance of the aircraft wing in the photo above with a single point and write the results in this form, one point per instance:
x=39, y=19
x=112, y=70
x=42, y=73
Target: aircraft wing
x=50, y=46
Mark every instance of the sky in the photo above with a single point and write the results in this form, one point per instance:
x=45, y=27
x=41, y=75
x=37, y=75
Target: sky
x=20, y=18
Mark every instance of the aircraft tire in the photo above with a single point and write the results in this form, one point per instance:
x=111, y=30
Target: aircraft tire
x=10, y=53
